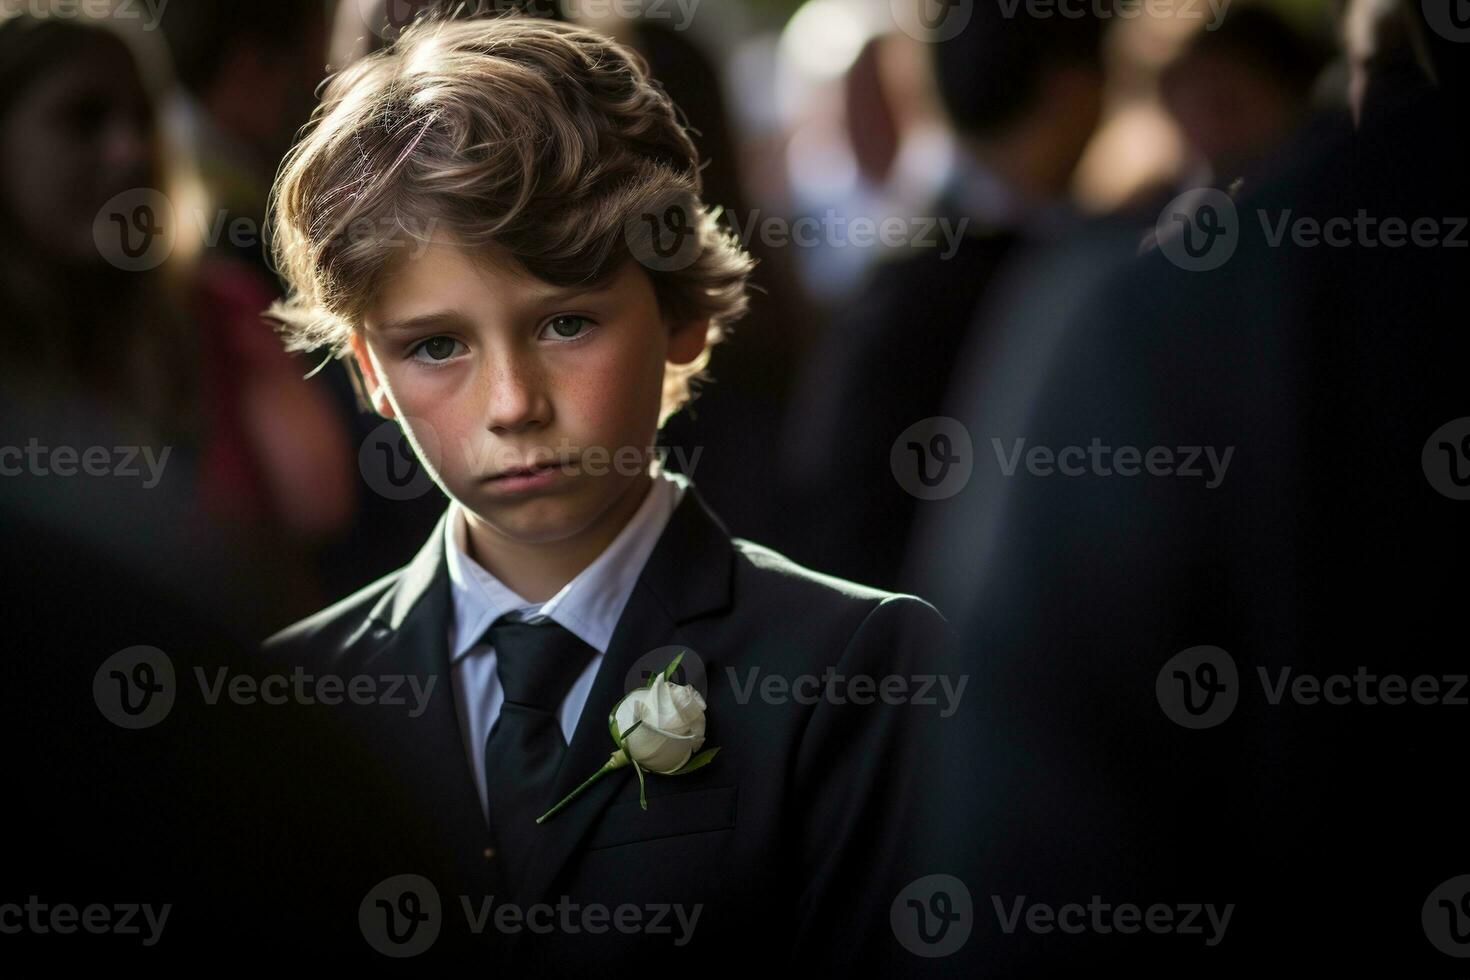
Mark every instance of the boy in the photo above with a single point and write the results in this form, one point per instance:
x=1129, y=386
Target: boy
x=551, y=287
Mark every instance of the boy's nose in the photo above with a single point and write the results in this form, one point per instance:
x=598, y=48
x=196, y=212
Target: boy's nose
x=517, y=396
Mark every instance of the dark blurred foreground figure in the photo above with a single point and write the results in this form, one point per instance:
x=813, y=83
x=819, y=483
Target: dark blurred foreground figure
x=1302, y=772
x=1024, y=96
x=140, y=817
x=1237, y=92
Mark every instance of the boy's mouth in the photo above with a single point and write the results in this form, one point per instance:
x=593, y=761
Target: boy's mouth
x=520, y=480
x=520, y=471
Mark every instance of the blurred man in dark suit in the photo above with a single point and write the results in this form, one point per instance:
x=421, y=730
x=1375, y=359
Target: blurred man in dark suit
x=1024, y=96
x=1212, y=613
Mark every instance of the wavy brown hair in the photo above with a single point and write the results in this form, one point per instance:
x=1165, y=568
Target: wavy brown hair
x=547, y=140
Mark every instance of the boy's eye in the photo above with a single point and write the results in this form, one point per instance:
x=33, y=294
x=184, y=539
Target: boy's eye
x=437, y=348
x=567, y=326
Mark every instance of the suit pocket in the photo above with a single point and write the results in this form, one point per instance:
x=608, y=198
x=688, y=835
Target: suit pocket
x=670, y=815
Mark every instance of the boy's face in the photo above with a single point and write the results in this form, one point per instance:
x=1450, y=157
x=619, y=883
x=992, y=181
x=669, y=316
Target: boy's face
x=491, y=369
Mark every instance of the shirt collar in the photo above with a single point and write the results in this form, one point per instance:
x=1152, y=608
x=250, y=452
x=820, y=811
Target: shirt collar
x=589, y=605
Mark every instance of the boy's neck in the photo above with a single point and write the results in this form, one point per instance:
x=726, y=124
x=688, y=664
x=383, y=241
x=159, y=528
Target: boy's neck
x=537, y=572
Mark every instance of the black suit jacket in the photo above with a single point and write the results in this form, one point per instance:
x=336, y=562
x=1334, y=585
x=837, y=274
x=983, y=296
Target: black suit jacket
x=1322, y=552
x=795, y=841
x=883, y=364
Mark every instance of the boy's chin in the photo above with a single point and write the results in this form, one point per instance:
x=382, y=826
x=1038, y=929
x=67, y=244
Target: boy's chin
x=539, y=517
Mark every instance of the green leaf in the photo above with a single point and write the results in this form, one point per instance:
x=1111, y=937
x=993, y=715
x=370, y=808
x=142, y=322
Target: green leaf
x=612, y=718
x=612, y=727
x=642, y=798
x=699, y=761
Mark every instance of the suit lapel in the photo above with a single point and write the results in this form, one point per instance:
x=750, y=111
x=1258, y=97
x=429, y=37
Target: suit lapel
x=687, y=575
x=411, y=621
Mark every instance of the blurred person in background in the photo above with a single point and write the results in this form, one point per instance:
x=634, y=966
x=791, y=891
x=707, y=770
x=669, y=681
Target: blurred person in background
x=120, y=532
x=1023, y=96
x=1184, y=673
x=78, y=128
x=109, y=308
x=862, y=137
x=1237, y=93
x=246, y=74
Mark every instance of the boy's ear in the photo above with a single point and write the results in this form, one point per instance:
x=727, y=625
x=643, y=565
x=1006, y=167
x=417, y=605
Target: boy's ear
x=376, y=393
x=687, y=339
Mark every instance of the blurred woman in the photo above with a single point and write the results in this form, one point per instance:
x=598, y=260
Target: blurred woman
x=108, y=305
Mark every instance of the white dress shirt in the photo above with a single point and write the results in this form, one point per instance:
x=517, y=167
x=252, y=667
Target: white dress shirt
x=588, y=606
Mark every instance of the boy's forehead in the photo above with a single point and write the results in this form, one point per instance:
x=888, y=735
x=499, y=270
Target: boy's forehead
x=444, y=274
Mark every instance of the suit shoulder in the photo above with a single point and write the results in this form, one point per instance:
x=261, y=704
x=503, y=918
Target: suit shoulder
x=329, y=626
x=803, y=586
x=868, y=629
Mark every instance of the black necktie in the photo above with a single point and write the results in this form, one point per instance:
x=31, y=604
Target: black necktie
x=537, y=664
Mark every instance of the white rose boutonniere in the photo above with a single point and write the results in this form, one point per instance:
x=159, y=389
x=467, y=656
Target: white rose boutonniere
x=658, y=728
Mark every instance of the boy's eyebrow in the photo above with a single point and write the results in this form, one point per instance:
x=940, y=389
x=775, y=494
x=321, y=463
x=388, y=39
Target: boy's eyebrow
x=440, y=317
x=416, y=322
